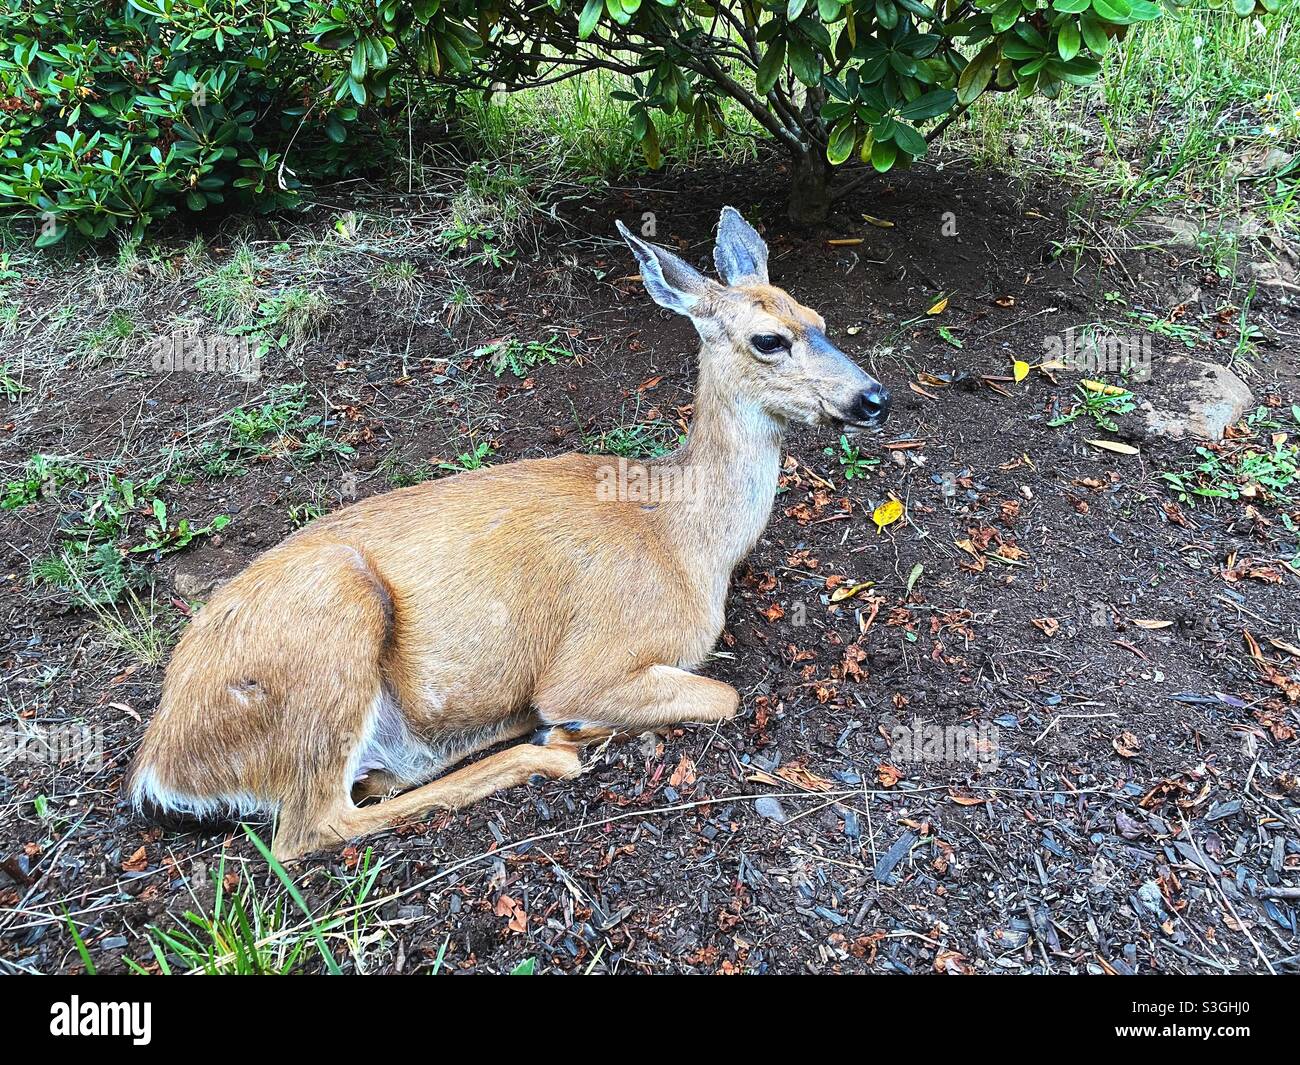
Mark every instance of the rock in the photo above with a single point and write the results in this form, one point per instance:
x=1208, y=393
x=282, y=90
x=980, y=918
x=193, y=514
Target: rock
x=1279, y=274
x=1150, y=897
x=771, y=809
x=1188, y=397
x=191, y=583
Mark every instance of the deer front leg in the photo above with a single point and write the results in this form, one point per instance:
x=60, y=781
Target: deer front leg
x=652, y=698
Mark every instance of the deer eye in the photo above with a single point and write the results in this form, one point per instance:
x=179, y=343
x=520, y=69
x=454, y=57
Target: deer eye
x=769, y=343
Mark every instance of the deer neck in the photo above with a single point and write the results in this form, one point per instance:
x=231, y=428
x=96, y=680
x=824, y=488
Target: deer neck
x=731, y=461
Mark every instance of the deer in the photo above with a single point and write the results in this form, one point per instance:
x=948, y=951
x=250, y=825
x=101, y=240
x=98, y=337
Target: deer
x=336, y=683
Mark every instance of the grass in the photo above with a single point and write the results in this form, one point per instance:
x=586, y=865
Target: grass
x=476, y=458
x=92, y=578
x=576, y=128
x=131, y=626
x=249, y=930
x=229, y=293
x=279, y=426
x=40, y=475
x=638, y=440
x=111, y=339
x=237, y=295
x=1186, y=112
x=1187, y=334
x=395, y=279
x=107, y=520
x=10, y=386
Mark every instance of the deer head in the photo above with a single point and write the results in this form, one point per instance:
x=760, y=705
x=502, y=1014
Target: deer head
x=765, y=348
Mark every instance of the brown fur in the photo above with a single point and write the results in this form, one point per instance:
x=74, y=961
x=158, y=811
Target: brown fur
x=484, y=606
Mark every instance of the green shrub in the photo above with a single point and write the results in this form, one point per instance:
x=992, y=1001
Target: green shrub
x=828, y=80
x=117, y=114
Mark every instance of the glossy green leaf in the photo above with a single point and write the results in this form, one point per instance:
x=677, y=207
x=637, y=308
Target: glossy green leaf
x=1113, y=10
x=928, y=105
x=909, y=140
x=883, y=154
x=979, y=71
x=1068, y=41
x=841, y=142
x=770, y=67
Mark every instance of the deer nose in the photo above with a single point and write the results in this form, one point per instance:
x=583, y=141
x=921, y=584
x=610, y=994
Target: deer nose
x=872, y=404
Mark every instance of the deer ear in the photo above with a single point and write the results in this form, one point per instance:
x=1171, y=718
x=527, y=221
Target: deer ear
x=740, y=254
x=671, y=282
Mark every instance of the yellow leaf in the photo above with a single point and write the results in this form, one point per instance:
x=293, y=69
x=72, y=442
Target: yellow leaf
x=1115, y=446
x=1101, y=388
x=880, y=223
x=886, y=514
x=1020, y=369
x=939, y=307
x=845, y=591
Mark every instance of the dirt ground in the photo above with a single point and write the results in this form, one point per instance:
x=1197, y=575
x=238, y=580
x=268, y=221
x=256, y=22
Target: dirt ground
x=1101, y=681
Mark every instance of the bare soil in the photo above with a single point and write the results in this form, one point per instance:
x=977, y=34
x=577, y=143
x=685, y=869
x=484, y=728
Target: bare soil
x=1126, y=665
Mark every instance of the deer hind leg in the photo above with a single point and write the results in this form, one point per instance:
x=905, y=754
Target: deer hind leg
x=505, y=769
x=382, y=783
x=651, y=698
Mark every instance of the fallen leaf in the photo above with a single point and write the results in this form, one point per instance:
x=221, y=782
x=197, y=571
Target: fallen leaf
x=1126, y=745
x=1151, y=623
x=1020, y=369
x=1115, y=446
x=1005, y=301
x=1101, y=388
x=684, y=775
x=915, y=576
x=886, y=514
x=1048, y=626
x=966, y=800
x=137, y=863
x=847, y=592
x=800, y=777
x=951, y=963
x=939, y=307
x=844, y=242
x=889, y=776
x=879, y=223
x=508, y=907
